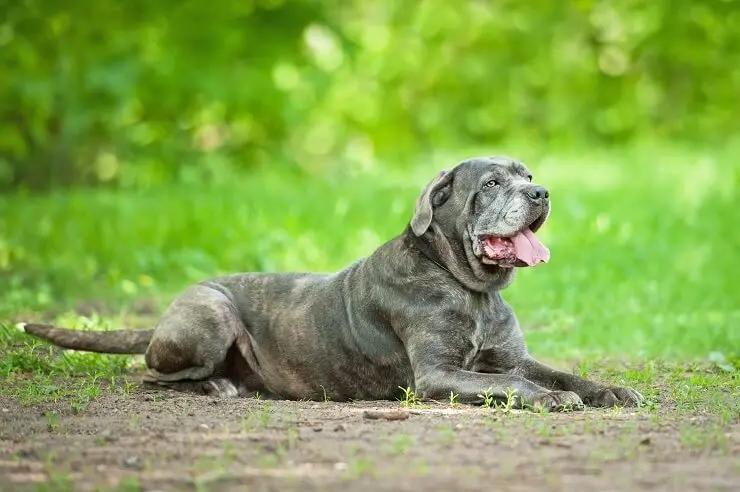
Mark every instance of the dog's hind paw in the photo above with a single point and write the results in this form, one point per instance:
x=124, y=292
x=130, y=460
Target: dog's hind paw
x=220, y=387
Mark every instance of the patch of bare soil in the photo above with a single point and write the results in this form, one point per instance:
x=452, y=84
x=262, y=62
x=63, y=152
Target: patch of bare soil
x=160, y=440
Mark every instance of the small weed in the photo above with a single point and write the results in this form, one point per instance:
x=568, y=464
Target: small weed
x=409, y=398
x=727, y=415
x=129, y=484
x=401, y=444
x=268, y=459
x=649, y=405
x=58, y=482
x=567, y=429
x=360, y=466
x=615, y=410
x=709, y=438
x=206, y=471
x=205, y=464
x=724, y=362
x=488, y=399
x=454, y=399
x=200, y=484
x=511, y=400
x=127, y=386
x=230, y=452
x=326, y=394
x=292, y=436
x=91, y=390
x=584, y=369
x=79, y=404
x=257, y=419
x=422, y=469
x=569, y=407
x=446, y=434
x=544, y=428
x=52, y=421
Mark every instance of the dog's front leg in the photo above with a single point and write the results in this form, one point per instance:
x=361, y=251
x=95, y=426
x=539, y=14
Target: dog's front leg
x=591, y=392
x=475, y=387
x=437, y=361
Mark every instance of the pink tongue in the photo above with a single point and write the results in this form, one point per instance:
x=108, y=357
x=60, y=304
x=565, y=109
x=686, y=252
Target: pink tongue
x=529, y=249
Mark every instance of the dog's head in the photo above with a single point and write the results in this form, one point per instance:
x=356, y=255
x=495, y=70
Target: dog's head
x=482, y=216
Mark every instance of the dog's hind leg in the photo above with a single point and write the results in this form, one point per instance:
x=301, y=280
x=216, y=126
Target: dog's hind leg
x=232, y=378
x=194, y=341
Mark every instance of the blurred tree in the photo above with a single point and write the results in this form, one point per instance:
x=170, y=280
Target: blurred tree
x=88, y=87
x=135, y=93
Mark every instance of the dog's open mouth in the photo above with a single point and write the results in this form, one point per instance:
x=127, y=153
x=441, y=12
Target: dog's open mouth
x=521, y=249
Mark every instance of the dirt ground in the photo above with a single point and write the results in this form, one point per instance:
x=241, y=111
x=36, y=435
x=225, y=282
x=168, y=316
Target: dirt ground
x=162, y=440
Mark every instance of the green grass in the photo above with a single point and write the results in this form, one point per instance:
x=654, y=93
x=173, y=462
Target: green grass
x=644, y=245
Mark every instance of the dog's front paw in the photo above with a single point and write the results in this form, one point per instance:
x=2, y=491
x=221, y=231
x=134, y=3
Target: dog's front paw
x=614, y=396
x=557, y=401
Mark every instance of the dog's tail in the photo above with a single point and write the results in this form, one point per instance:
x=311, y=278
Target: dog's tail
x=106, y=342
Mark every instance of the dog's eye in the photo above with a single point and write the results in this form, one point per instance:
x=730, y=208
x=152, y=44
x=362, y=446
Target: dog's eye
x=529, y=178
x=490, y=184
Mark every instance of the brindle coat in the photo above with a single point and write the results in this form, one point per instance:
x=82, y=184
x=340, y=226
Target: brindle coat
x=423, y=311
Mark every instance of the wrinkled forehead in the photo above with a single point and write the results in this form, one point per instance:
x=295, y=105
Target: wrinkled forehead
x=476, y=167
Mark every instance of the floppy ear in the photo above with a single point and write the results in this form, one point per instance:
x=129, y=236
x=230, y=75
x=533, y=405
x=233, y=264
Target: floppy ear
x=435, y=194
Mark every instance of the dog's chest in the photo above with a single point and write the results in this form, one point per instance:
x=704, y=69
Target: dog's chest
x=480, y=338
x=492, y=339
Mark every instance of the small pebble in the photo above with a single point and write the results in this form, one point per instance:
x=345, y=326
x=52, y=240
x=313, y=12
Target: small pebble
x=204, y=426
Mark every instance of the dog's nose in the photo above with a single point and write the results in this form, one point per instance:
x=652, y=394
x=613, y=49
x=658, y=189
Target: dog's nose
x=538, y=192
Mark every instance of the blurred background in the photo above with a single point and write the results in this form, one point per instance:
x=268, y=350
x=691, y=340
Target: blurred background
x=137, y=93
x=146, y=144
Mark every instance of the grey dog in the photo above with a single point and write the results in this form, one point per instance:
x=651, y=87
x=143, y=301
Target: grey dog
x=423, y=311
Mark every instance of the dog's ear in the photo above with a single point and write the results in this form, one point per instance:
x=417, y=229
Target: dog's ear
x=435, y=194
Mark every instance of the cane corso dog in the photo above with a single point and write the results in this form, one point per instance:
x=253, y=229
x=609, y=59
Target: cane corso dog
x=423, y=311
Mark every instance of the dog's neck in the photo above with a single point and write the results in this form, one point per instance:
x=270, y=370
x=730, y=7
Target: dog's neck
x=426, y=249
x=436, y=248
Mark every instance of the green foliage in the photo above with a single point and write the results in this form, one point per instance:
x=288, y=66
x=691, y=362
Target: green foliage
x=132, y=91
x=138, y=93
